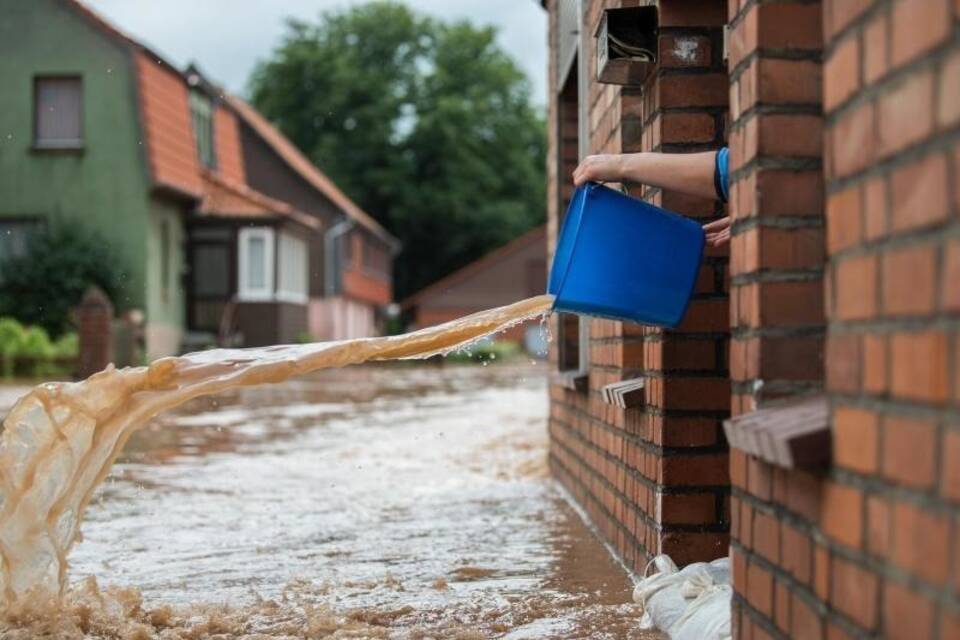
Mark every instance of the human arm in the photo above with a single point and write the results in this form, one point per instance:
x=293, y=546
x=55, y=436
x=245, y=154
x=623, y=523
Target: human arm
x=690, y=173
x=698, y=174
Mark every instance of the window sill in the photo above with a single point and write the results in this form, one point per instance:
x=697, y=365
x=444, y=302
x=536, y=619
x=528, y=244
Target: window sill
x=792, y=435
x=626, y=394
x=572, y=380
x=288, y=298
x=291, y=298
x=70, y=148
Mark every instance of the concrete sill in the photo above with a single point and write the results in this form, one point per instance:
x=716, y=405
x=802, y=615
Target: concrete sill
x=626, y=394
x=794, y=434
x=572, y=380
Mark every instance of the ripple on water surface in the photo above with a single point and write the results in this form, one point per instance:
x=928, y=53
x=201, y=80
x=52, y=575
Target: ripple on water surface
x=388, y=501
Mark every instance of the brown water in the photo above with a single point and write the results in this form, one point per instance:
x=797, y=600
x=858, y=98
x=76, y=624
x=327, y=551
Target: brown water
x=60, y=440
x=399, y=501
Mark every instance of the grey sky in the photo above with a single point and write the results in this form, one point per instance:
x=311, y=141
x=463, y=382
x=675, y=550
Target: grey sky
x=226, y=37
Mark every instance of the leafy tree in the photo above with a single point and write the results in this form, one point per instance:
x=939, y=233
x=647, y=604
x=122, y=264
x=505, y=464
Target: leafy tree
x=428, y=126
x=42, y=286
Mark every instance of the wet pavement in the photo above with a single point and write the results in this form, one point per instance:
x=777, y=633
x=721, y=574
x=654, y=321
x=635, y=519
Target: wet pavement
x=412, y=498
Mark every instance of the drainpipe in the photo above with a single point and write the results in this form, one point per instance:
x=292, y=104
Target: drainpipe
x=330, y=254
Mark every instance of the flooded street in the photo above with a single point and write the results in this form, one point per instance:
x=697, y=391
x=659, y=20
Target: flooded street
x=398, y=501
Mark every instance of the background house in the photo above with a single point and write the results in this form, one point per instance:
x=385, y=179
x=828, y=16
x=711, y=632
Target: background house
x=101, y=131
x=830, y=334
x=507, y=274
x=351, y=287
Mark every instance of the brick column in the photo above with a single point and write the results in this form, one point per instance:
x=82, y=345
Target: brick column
x=683, y=109
x=868, y=546
x=776, y=200
x=892, y=104
x=777, y=316
x=94, y=317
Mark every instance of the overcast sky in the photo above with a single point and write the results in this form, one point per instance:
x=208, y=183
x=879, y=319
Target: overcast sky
x=226, y=37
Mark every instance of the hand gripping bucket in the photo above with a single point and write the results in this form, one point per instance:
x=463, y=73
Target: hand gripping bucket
x=619, y=257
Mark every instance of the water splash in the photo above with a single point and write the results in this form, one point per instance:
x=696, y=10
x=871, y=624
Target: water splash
x=61, y=439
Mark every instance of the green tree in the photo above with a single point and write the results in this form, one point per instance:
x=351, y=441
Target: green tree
x=62, y=260
x=428, y=126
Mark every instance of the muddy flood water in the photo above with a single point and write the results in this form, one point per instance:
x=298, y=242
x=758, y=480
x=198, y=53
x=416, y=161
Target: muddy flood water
x=390, y=501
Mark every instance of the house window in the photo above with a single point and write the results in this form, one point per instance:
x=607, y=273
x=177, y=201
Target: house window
x=256, y=264
x=15, y=237
x=292, y=265
x=201, y=113
x=58, y=112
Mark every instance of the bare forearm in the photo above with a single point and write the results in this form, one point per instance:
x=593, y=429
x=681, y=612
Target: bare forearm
x=690, y=173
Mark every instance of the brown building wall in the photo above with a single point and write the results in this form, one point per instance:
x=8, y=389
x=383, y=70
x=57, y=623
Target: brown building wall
x=867, y=547
x=653, y=478
x=266, y=323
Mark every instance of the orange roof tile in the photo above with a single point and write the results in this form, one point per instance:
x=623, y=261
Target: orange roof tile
x=295, y=159
x=226, y=136
x=165, y=109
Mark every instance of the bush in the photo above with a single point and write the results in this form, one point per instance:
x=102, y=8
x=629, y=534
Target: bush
x=62, y=261
x=38, y=349
x=66, y=346
x=11, y=342
x=29, y=351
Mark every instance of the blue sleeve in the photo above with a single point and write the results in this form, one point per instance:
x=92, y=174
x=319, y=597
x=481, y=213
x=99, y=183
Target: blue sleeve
x=721, y=174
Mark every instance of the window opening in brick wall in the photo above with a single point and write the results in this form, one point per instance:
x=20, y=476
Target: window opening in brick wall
x=569, y=329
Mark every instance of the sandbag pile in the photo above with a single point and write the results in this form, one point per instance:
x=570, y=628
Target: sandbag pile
x=688, y=604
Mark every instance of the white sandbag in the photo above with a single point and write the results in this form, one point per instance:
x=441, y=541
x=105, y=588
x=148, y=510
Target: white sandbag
x=670, y=597
x=707, y=617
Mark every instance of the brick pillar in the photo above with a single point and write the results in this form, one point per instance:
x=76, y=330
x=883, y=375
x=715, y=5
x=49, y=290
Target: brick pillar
x=892, y=105
x=867, y=547
x=777, y=316
x=683, y=109
x=776, y=200
x=94, y=317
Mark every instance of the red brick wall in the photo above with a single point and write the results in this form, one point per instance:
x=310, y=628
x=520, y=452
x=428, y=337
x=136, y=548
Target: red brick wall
x=653, y=479
x=867, y=547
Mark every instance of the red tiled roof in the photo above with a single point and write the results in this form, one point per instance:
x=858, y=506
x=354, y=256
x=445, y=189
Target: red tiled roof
x=295, y=159
x=226, y=136
x=537, y=234
x=165, y=110
x=224, y=199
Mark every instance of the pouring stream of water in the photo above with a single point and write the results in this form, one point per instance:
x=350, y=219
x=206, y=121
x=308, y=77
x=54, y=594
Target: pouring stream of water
x=61, y=439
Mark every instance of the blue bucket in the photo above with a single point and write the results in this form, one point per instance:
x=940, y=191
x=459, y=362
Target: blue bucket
x=619, y=257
